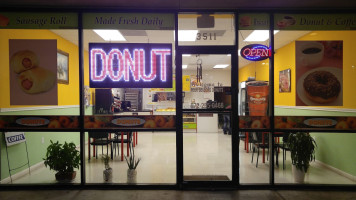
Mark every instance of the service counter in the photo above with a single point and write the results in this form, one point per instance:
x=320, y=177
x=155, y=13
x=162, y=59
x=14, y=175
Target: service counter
x=207, y=123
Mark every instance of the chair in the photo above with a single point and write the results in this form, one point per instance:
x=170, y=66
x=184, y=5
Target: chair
x=247, y=138
x=100, y=139
x=284, y=146
x=119, y=139
x=259, y=142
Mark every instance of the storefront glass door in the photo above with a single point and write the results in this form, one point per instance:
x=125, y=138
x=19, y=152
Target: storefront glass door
x=206, y=117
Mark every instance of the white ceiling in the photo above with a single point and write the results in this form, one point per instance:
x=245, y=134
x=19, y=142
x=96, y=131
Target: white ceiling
x=282, y=38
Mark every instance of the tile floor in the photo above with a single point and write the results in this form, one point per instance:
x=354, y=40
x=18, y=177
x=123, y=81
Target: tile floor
x=204, y=154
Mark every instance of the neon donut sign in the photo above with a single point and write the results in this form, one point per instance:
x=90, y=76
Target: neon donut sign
x=118, y=65
x=255, y=52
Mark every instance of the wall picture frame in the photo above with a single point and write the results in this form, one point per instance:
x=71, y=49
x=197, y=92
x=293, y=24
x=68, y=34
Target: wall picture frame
x=285, y=81
x=62, y=67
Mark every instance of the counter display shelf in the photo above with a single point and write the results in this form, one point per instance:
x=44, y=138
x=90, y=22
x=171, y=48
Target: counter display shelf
x=190, y=121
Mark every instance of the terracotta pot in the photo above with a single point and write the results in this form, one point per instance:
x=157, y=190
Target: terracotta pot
x=68, y=176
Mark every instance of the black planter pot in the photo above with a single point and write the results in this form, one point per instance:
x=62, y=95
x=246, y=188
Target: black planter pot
x=67, y=176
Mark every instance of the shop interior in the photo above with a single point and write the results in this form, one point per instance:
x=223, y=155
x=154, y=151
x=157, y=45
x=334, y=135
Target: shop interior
x=207, y=144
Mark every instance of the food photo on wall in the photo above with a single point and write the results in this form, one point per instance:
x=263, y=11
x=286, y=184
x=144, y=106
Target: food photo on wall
x=33, y=72
x=284, y=81
x=319, y=73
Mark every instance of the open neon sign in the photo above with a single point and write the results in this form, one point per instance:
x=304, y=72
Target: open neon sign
x=255, y=52
x=117, y=65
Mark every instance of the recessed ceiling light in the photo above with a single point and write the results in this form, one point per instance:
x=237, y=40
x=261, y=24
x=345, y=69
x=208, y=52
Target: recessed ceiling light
x=110, y=35
x=184, y=66
x=220, y=66
x=187, y=35
x=259, y=36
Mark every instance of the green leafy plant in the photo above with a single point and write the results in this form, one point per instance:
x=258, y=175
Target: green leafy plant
x=131, y=161
x=302, y=147
x=62, y=158
x=106, y=159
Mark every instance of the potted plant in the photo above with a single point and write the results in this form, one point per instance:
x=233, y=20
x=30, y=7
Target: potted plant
x=62, y=158
x=107, y=173
x=132, y=163
x=302, y=148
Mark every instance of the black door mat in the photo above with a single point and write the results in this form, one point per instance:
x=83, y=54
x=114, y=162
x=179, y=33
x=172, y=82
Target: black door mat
x=206, y=178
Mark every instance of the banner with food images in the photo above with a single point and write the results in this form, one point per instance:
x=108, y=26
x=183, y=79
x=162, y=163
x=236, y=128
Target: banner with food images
x=299, y=122
x=39, y=122
x=90, y=122
x=131, y=121
x=33, y=72
x=319, y=73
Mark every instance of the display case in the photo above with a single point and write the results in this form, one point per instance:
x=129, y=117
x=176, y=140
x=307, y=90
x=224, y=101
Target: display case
x=190, y=121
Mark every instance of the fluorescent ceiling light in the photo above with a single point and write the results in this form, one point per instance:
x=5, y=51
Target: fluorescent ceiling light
x=187, y=35
x=259, y=36
x=186, y=55
x=110, y=35
x=220, y=66
x=184, y=66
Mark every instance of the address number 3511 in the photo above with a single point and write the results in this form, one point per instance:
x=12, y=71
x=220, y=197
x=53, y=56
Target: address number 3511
x=206, y=36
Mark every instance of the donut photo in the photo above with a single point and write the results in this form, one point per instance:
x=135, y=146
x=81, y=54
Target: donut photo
x=319, y=73
x=321, y=86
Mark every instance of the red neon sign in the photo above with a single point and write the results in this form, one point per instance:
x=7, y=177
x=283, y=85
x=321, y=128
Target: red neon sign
x=114, y=67
x=255, y=52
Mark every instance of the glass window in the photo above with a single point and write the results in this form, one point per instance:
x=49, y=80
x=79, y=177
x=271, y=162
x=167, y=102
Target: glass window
x=253, y=97
x=131, y=79
x=39, y=62
x=310, y=46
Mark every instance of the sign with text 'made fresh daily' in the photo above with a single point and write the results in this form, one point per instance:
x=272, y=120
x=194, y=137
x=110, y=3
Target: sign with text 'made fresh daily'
x=27, y=20
x=315, y=22
x=13, y=138
x=130, y=65
x=133, y=21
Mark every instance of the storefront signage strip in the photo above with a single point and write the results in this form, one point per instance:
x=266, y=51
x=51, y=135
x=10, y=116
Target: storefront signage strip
x=39, y=122
x=298, y=122
x=131, y=21
x=10, y=20
x=253, y=21
x=314, y=22
x=129, y=121
x=90, y=122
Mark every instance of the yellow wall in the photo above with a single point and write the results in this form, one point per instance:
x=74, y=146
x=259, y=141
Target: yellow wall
x=285, y=58
x=260, y=69
x=68, y=94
